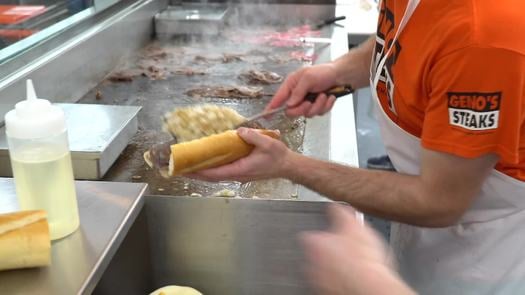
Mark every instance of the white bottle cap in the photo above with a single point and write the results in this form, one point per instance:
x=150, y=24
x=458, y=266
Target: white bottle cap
x=34, y=118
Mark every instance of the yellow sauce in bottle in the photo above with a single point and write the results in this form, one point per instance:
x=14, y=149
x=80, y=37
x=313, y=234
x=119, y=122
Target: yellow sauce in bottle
x=44, y=180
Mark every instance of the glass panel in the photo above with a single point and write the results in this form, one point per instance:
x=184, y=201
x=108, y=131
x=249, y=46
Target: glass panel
x=20, y=19
x=25, y=23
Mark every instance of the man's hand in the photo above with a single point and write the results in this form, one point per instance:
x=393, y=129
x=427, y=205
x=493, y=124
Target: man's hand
x=353, y=68
x=306, y=80
x=265, y=161
x=349, y=259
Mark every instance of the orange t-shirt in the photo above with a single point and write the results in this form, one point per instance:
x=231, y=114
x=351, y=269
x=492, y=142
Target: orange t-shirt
x=455, y=78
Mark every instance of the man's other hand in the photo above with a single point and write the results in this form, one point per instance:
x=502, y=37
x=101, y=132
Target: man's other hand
x=349, y=258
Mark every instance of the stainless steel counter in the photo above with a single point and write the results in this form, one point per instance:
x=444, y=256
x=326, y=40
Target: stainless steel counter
x=107, y=211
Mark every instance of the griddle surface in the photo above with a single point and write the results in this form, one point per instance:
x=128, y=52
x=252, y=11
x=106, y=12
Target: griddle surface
x=164, y=90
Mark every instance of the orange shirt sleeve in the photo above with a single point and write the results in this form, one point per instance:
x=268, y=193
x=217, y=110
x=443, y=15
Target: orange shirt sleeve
x=476, y=103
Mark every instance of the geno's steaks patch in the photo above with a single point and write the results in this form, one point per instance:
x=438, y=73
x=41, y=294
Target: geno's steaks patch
x=474, y=110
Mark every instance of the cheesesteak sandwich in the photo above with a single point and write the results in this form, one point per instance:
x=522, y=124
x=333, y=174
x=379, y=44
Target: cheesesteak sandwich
x=204, y=139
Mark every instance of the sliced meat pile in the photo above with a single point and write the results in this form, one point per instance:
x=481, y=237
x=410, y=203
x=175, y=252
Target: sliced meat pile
x=226, y=92
x=261, y=77
x=152, y=72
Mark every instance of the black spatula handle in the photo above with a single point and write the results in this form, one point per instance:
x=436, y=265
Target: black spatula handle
x=336, y=91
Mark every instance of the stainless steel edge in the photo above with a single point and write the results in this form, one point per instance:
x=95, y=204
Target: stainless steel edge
x=113, y=245
x=119, y=142
x=341, y=139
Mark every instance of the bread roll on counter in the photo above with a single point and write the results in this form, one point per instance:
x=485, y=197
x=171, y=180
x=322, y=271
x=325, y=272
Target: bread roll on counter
x=176, y=290
x=24, y=240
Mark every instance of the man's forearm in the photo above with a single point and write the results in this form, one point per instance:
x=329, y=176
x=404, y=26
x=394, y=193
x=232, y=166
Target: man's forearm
x=354, y=67
x=390, y=195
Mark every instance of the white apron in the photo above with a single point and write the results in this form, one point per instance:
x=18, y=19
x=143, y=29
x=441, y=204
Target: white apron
x=485, y=252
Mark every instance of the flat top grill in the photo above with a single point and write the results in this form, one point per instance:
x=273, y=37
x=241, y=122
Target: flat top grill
x=152, y=79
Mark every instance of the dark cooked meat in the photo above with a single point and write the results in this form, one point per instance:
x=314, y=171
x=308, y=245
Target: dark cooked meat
x=98, y=95
x=123, y=76
x=189, y=71
x=230, y=57
x=226, y=92
x=261, y=77
x=200, y=58
x=155, y=73
x=155, y=53
x=224, y=58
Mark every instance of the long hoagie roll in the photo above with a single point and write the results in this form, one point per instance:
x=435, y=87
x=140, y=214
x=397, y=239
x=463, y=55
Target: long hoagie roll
x=209, y=152
x=24, y=240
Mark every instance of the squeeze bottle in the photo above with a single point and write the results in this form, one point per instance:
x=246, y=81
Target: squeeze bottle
x=39, y=151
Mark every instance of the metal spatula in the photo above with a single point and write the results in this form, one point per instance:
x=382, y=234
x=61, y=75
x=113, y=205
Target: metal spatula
x=311, y=97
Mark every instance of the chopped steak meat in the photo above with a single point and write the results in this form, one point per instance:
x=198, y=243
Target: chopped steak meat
x=123, y=76
x=200, y=58
x=261, y=77
x=226, y=92
x=98, y=95
x=154, y=52
x=154, y=73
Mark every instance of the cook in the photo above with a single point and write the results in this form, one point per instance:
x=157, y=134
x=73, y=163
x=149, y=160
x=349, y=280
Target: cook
x=448, y=78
